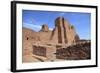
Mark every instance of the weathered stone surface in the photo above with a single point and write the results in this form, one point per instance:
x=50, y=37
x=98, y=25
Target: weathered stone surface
x=45, y=28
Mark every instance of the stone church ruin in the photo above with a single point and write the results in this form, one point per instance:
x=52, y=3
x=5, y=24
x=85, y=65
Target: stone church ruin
x=57, y=44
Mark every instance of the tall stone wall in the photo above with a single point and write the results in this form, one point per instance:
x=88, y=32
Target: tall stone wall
x=63, y=32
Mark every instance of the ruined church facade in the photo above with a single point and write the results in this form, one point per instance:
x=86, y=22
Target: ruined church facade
x=45, y=42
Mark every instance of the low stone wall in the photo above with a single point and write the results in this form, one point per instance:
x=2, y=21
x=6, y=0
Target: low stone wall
x=45, y=51
x=75, y=52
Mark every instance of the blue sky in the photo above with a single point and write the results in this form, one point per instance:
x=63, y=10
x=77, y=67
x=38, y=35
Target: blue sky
x=81, y=21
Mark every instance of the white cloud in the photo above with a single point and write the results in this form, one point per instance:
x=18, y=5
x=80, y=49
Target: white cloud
x=61, y=14
x=50, y=28
x=33, y=26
